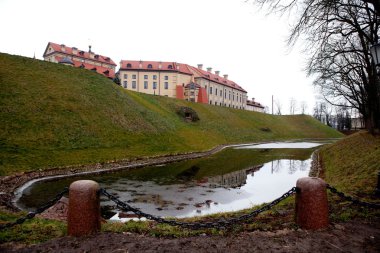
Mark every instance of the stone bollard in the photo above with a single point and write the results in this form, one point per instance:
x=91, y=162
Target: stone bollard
x=311, y=203
x=84, y=208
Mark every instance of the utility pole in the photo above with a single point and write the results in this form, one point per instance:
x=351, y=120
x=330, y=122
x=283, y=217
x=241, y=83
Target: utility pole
x=272, y=104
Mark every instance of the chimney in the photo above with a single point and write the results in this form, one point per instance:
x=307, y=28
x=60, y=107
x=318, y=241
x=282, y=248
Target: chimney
x=253, y=99
x=160, y=65
x=217, y=72
x=140, y=65
x=225, y=76
x=177, y=66
x=200, y=66
x=209, y=69
x=63, y=47
x=75, y=50
x=89, y=48
x=90, y=52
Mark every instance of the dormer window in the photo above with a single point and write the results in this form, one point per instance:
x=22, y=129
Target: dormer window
x=107, y=59
x=106, y=72
x=150, y=66
x=96, y=56
x=81, y=52
x=170, y=67
x=129, y=65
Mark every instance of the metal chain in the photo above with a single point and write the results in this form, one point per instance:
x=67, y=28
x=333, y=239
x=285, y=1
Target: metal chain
x=221, y=223
x=349, y=198
x=39, y=210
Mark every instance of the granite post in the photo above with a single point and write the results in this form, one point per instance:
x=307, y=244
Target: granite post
x=84, y=208
x=311, y=203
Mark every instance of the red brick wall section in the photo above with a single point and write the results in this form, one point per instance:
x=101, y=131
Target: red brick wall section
x=180, y=92
x=202, y=96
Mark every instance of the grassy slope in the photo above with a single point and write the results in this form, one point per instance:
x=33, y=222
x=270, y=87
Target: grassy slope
x=352, y=163
x=54, y=115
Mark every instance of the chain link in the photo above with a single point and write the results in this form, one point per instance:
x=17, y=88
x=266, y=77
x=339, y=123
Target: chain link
x=221, y=223
x=39, y=210
x=351, y=199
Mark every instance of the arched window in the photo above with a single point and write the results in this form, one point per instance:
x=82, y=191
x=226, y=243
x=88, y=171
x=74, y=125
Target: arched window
x=129, y=65
x=150, y=66
x=170, y=67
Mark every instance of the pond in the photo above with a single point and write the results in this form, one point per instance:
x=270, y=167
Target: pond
x=233, y=179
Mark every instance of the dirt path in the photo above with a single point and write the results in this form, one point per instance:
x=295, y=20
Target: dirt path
x=347, y=237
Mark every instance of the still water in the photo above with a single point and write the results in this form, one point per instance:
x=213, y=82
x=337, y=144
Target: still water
x=233, y=179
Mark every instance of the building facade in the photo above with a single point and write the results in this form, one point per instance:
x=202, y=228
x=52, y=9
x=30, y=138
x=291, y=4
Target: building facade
x=254, y=106
x=59, y=53
x=182, y=81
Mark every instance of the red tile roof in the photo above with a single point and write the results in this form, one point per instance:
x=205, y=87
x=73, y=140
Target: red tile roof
x=101, y=70
x=177, y=67
x=80, y=53
x=155, y=66
x=215, y=78
x=255, y=104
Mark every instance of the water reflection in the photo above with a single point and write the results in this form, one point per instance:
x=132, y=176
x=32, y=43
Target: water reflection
x=231, y=180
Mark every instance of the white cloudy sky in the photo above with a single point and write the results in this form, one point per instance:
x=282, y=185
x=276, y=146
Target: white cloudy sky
x=231, y=36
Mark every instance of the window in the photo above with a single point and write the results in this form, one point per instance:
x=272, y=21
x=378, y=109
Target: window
x=133, y=84
x=154, y=85
x=129, y=65
x=170, y=67
x=154, y=77
x=210, y=102
x=166, y=77
x=145, y=77
x=216, y=103
x=145, y=84
x=125, y=84
x=125, y=76
x=166, y=85
x=221, y=93
x=210, y=90
x=133, y=76
x=150, y=66
x=216, y=91
x=225, y=93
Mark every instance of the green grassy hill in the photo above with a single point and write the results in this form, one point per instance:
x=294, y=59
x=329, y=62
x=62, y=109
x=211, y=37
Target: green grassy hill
x=54, y=115
x=352, y=164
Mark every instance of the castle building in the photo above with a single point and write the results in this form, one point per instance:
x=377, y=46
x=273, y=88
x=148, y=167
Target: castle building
x=72, y=56
x=182, y=81
x=252, y=105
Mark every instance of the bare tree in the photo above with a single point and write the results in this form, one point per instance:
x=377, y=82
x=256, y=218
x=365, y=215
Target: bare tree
x=292, y=106
x=338, y=35
x=278, y=105
x=303, y=107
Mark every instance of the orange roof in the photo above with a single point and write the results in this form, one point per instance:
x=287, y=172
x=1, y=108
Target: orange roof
x=155, y=66
x=215, y=78
x=101, y=70
x=255, y=104
x=177, y=67
x=80, y=53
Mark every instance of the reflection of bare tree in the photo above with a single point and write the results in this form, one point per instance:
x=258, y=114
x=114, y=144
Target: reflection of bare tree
x=293, y=165
x=276, y=166
x=303, y=166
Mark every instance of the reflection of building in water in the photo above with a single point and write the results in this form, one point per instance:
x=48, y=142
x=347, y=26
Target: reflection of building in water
x=233, y=179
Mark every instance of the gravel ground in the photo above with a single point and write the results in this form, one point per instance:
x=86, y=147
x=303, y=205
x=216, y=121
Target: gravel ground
x=345, y=237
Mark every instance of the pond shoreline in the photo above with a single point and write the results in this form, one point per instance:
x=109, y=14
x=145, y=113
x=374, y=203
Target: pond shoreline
x=10, y=185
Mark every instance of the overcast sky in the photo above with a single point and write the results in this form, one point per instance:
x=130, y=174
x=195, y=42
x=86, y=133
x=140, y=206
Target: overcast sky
x=231, y=36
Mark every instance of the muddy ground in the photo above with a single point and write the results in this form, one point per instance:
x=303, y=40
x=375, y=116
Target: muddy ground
x=345, y=237
x=353, y=236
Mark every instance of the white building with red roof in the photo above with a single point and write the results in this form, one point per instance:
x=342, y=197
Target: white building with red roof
x=252, y=105
x=182, y=81
x=60, y=53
